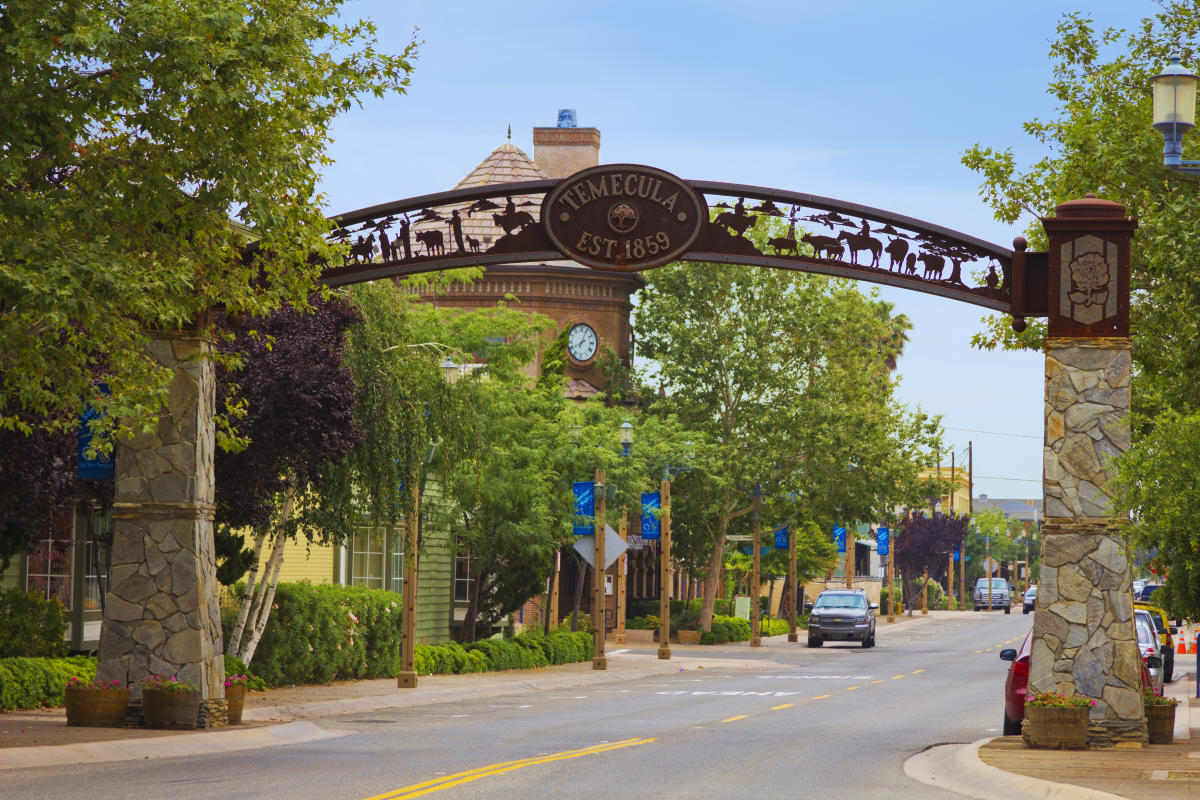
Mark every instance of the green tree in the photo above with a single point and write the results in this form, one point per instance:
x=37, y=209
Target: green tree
x=786, y=374
x=1099, y=140
x=131, y=132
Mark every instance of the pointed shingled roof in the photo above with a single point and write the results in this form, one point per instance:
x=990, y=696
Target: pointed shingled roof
x=506, y=164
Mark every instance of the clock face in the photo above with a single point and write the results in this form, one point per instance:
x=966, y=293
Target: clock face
x=581, y=342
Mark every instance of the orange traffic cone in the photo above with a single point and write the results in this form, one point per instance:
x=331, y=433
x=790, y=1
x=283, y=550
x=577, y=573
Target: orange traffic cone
x=1182, y=649
x=1192, y=646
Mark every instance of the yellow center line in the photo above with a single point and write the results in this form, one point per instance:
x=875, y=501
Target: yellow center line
x=916, y=671
x=449, y=781
x=878, y=681
x=851, y=688
x=987, y=649
x=820, y=697
x=978, y=651
x=734, y=719
x=897, y=677
x=780, y=708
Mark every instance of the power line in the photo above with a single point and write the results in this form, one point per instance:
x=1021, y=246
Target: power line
x=996, y=433
x=994, y=478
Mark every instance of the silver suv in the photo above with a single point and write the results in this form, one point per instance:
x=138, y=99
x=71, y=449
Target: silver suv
x=1000, y=593
x=845, y=614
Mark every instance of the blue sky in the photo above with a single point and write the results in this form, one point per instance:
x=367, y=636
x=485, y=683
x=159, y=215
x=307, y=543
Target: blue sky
x=870, y=102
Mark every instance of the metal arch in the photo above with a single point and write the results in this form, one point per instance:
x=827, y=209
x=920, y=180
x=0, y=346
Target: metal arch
x=453, y=229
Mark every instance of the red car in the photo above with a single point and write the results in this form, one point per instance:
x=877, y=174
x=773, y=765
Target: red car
x=1017, y=683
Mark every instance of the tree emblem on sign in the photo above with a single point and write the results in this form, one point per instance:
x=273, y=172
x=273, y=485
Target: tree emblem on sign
x=622, y=218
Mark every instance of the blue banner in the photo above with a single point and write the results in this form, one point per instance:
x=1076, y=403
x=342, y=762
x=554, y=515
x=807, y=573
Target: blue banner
x=839, y=534
x=746, y=549
x=651, y=523
x=781, y=538
x=585, y=506
x=883, y=537
x=100, y=468
x=957, y=555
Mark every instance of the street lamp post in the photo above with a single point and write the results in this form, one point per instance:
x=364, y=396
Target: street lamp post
x=756, y=572
x=622, y=531
x=599, y=497
x=664, y=584
x=1175, y=113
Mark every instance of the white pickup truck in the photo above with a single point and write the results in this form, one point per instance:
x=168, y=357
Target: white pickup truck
x=1000, y=592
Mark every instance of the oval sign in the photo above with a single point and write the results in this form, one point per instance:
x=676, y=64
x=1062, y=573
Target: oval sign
x=623, y=217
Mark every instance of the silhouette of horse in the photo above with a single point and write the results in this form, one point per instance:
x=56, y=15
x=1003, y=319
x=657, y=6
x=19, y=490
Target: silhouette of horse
x=432, y=241
x=858, y=242
x=897, y=249
x=784, y=244
x=516, y=220
x=824, y=244
x=364, y=250
x=735, y=223
x=933, y=266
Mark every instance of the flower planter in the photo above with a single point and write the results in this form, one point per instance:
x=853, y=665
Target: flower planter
x=637, y=636
x=235, y=696
x=170, y=710
x=1057, y=728
x=688, y=637
x=96, y=708
x=1160, y=724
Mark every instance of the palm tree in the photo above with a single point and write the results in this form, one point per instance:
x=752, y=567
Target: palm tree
x=891, y=344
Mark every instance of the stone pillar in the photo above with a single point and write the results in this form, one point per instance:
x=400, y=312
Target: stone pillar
x=162, y=615
x=1084, y=640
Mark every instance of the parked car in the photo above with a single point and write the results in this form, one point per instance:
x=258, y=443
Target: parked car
x=999, y=591
x=1016, y=684
x=1147, y=638
x=1146, y=595
x=1165, y=633
x=1030, y=600
x=845, y=614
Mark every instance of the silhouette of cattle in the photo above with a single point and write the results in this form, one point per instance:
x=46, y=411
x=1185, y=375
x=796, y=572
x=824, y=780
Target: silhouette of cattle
x=832, y=248
x=910, y=264
x=897, y=249
x=934, y=265
x=433, y=242
x=516, y=220
x=784, y=244
x=857, y=242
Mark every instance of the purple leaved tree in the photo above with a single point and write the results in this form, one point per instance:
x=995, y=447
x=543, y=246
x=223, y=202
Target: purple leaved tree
x=924, y=543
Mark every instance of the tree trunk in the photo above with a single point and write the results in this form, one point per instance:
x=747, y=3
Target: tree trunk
x=468, y=628
x=583, y=572
x=713, y=579
x=235, y=638
x=266, y=596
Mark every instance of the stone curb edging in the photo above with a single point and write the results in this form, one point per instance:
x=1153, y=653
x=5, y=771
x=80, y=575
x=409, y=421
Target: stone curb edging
x=220, y=741
x=958, y=768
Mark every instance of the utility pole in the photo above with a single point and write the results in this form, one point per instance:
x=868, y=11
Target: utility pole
x=599, y=661
x=962, y=548
x=987, y=566
x=1026, y=537
x=623, y=532
x=953, y=483
x=755, y=572
x=407, y=678
x=664, y=554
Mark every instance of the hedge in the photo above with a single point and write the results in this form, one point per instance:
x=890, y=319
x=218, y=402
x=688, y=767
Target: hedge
x=524, y=651
x=31, y=626
x=36, y=682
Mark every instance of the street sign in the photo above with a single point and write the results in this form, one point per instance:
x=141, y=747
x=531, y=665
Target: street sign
x=839, y=534
x=957, y=554
x=883, y=537
x=613, y=547
x=990, y=565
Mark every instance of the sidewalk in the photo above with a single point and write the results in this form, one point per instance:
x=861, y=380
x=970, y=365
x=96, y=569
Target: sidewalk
x=1004, y=768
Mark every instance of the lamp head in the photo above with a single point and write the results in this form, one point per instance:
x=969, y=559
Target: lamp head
x=1174, y=109
x=626, y=437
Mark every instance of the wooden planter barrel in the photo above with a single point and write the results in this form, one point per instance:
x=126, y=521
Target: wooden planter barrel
x=688, y=637
x=1057, y=728
x=96, y=708
x=170, y=710
x=1160, y=724
x=235, y=696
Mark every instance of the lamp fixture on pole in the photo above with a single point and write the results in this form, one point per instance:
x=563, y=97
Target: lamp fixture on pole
x=626, y=438
x=1175, y=113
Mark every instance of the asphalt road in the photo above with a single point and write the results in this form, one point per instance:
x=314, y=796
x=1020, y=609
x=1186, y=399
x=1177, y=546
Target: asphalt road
x=837, y=721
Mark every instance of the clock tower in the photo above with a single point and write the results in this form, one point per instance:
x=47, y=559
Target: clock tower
x=594, y=305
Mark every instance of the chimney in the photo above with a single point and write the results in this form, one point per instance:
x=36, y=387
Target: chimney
x=565, y=149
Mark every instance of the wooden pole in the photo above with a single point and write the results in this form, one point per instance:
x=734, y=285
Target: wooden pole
x=950, y=579
x=793, y=589
x=664, y=587
x=623, y=532
x=987, y=567
x=407, y=678
x=554, y=588
x=849, y=567
x=891, y=582
x=755, y=575
x=925, y=591
x=599, y=500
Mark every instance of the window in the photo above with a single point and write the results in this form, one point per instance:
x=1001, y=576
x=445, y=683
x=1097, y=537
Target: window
x=50, y=564
x=462, y=574
x=398, y=562
x=98, y=530
x=366, y=564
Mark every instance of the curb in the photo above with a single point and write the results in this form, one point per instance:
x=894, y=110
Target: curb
x=958, y=768
x=221, y=741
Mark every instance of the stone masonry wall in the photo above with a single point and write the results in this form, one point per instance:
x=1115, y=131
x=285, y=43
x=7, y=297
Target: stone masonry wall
x=1084, y=641
x=161, y=615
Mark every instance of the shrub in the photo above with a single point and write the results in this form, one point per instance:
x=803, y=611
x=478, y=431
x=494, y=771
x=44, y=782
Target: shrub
x=35, y=682
x=31, y=626
x=650, y=622
x=234, y=666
